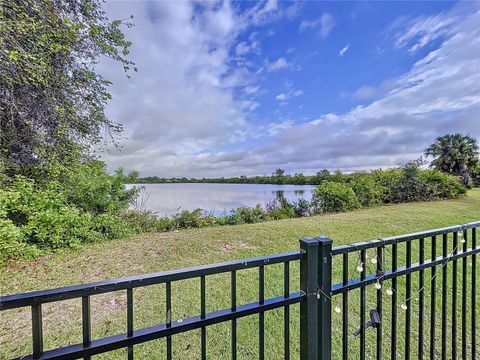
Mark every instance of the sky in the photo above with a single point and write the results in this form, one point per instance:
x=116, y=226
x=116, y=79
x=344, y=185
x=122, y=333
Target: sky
x=243, y=88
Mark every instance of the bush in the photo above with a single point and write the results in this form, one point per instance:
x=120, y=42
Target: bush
x=302, y=208
x=386, y=180
x=64, y=208
x=146, y=221
x=192, y=219
x=279, y=209
x=441, y=185
x=334, y=197
x=367, y=191
x=11, y=242
x=411, y=186
x=244, y=215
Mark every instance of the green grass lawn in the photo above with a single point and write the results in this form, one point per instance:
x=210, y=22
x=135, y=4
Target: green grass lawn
x=165, y=251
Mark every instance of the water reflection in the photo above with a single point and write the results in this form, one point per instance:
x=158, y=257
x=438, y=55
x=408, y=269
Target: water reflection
x=217, y=199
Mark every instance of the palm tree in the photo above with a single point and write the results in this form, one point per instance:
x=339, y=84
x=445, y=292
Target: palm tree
x=454, y=154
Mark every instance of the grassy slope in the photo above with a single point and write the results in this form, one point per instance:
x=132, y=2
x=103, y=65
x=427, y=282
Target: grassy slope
x=164, y=251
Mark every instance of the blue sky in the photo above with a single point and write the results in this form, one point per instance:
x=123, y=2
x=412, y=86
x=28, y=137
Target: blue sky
x=242, y=88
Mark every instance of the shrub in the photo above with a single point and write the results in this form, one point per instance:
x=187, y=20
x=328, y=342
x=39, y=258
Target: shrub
x=334, y=197
x=147, y=221
x=279, y=209
x=302, y=208
x=441, y=185
x=11, y=242
x=367, y=191
x=192, y=219
x=386, y=180
x=64, y=208
x=244, y=215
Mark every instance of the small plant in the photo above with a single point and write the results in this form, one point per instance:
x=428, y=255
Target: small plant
x=302, y=208
x=334, y=197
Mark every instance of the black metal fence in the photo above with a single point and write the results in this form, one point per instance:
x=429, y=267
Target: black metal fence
x=318, y=294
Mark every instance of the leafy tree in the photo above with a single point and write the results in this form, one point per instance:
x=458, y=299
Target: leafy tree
x=299, y=179
x=51, y=98
x=455, y=154
x=279, y=176
x=279, y=172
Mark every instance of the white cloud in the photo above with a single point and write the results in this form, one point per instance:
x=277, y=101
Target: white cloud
x=343, y=50
x=275, y=128
x=291, y=93
x=325, y=24
x=280, y=63
x=422, y=31
x=250, y=90
x=242, y=48
x=182, y=100
x=364, y=92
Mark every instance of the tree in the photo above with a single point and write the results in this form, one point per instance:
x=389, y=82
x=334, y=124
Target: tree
x=279, y=176
x=455, y=154
x=51, y=99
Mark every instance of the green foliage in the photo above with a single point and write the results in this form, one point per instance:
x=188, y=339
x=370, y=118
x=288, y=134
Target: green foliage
x=441, y=185
x=334, y=197
x=76, y=205
x=410, y=186
x=455, y=154
x=52, y=100
x=302, y=208
x=192, y=219
x=11, y=242
x=367, y=190
x=475, y=172
x=386, y=180
x=244, y=215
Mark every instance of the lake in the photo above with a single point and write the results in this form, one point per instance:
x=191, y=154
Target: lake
x=217, y=199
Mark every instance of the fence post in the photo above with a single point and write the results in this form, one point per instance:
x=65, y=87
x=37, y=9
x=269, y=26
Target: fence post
x=315, y=312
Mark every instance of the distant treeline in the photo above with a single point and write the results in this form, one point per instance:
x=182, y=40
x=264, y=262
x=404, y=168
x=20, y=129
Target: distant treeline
x=278, y=177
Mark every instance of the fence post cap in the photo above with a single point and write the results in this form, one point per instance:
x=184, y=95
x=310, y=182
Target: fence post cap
x=323, y=240
x=309, y=241
x=315, y=241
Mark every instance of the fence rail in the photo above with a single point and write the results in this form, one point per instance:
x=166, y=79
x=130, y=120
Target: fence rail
x=317, y=294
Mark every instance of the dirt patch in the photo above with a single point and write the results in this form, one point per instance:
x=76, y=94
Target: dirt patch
x=228, y=248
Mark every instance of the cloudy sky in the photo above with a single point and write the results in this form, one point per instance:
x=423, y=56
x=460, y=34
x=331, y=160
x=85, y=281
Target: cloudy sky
x=242, y=88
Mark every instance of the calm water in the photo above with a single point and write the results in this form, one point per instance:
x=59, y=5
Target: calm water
x=168, y=199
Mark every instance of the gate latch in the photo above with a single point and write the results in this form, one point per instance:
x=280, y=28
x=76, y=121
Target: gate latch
x=374, y=321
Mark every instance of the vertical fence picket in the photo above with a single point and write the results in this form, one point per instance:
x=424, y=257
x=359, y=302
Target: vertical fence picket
x=393, y=352
x=362, y=305
x=37, y=331
x=86, y=323
x=286, y=311
x=203, y=331
x=464, y=297
x=261, y=316
x=168, y=304
x=454, y=298
x=444, y=297
x=233, y=281
x=379, y=303
x=345, y=308
x=421, y=300
x=130, y=320
x=408, y=295
x=433, y=302
x=474, y=294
